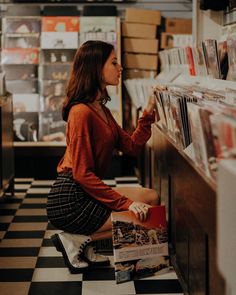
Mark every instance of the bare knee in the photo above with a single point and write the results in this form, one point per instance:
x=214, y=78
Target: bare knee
x=152, y=197
x=140, y=194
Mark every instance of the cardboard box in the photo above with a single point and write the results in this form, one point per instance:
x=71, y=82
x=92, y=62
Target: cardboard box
x=144, y=16
x=179, y=25
x=140, y=45
x=135, y=74
x=138, y=30
x=140, y=61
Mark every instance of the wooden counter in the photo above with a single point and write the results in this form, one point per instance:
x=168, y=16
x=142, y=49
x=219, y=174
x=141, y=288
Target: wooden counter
x=190, y=198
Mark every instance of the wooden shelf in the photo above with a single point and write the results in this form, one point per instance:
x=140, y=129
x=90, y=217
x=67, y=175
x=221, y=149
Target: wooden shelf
x=39, y=144
x=19, y=35
x=191, y=202
x=56, y=63
x=38, y=159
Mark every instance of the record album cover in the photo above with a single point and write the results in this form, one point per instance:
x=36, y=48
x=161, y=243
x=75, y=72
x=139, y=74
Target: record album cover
x=140, y=248
x=25, y=126
x=51, y=127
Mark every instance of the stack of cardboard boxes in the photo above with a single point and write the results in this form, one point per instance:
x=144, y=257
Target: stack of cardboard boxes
x=140, y=44
x=178, y=33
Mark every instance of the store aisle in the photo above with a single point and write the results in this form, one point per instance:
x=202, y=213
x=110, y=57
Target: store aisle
x=29, y=264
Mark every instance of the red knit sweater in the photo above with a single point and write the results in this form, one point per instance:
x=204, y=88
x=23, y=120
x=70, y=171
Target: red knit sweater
x=90, y=145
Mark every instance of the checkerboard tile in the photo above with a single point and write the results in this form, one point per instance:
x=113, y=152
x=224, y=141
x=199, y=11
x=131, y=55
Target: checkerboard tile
x=30, y=264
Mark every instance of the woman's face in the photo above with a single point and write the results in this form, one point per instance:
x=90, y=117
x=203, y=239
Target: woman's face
x=111, y=71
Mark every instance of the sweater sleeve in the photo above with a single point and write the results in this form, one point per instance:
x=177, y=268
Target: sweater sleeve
x=132, y=144
x=83, y=165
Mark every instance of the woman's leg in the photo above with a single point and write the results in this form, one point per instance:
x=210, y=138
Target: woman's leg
x=140, y=194
x=103, y=232
x=134, y=193
x=70, y=244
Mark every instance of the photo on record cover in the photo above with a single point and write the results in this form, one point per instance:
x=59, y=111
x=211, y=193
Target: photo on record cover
x=25, y=126
x=51, y=127
x=140, y=248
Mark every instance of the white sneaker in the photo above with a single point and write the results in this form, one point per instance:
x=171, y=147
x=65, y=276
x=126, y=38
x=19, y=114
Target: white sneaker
x=93, y=258
x=72, y=246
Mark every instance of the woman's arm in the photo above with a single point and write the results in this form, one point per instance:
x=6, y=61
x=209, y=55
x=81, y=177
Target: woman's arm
x=83, y=165
x=132, y=144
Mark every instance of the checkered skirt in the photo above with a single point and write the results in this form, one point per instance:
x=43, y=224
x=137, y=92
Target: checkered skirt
x=71, y=209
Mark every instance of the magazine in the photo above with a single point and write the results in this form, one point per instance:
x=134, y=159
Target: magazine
x=140, y=248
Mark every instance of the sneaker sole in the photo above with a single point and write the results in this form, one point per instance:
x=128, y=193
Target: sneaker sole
x=60, y=248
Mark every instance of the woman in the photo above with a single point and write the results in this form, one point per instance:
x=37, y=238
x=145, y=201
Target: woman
x=79, y=202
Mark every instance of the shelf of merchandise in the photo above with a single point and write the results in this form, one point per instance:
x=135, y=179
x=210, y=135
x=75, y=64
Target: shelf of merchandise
x=20, y=59
x=59, y=42
x=46, y=63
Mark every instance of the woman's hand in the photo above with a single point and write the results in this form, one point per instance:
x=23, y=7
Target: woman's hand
x=151, y=105
x=140, y=210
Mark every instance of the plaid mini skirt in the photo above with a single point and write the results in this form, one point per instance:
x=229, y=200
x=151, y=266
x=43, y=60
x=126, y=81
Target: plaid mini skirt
x=71, y=209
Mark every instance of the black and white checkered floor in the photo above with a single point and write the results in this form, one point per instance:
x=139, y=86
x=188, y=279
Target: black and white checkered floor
x=29, y=264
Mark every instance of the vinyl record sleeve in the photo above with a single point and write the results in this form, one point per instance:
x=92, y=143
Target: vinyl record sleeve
x=140, y=248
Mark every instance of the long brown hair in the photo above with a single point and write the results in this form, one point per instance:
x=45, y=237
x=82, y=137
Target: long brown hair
x=86, y=75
